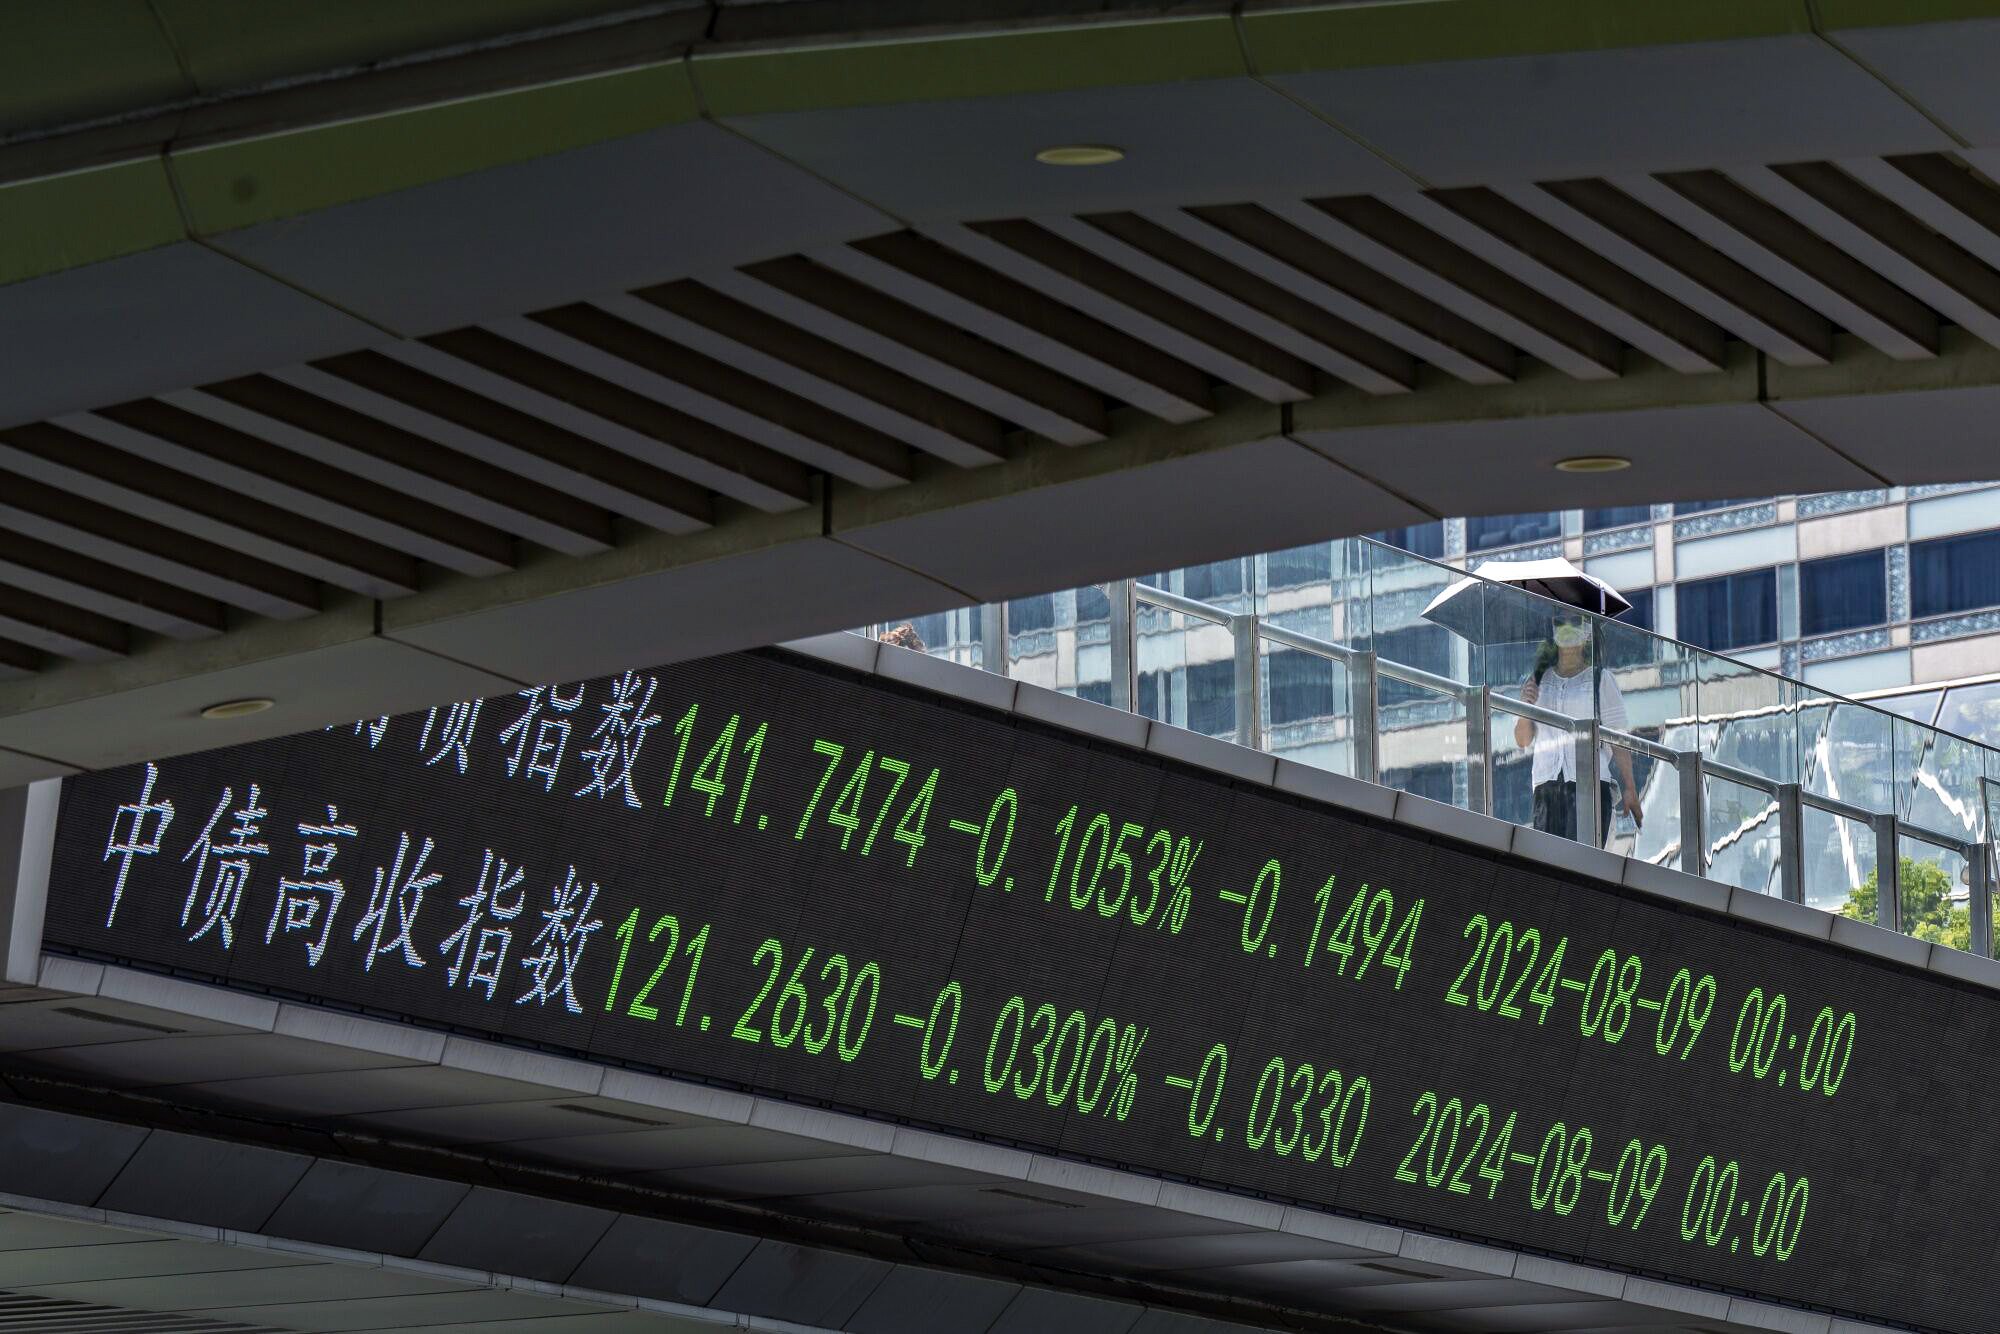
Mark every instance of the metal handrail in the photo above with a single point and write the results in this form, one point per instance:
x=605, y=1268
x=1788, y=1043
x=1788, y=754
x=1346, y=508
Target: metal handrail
x=1186, y=606
x=1587, y=734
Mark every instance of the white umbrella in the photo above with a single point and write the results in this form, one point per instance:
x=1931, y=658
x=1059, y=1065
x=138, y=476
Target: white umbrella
x=1486, y=619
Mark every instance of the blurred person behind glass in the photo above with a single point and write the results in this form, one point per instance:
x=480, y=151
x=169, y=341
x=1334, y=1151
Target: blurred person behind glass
x=1561, y=680
x=904, y=636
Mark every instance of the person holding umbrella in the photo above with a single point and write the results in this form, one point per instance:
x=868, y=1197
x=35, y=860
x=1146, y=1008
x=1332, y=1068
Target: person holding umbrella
x=1562, y=680
x=1484, y=611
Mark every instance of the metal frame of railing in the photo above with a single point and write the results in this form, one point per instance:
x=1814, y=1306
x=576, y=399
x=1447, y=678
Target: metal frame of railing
x=1692, y=768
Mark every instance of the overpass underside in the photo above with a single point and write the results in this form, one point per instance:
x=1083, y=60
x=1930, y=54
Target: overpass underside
x=200, y=1155
x=364, y=370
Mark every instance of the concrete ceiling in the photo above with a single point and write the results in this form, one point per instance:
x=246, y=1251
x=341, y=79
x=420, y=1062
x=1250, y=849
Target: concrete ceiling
x=270, y=1166
x=380, y=358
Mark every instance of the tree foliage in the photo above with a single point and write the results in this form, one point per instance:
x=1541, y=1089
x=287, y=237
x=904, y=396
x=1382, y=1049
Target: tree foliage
x=1928, y=912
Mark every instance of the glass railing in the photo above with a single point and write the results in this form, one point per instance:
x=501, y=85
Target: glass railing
x=1706, y=764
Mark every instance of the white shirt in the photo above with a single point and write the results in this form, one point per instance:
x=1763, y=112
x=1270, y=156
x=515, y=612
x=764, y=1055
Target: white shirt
x=1555, y=748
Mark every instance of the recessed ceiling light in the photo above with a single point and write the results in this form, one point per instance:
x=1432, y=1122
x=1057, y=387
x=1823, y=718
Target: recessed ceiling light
x=236, y=708
x=1593, y=463
x=1080, y=155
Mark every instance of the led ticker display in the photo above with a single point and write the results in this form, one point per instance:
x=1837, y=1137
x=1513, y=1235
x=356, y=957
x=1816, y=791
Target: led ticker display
x=759, y=870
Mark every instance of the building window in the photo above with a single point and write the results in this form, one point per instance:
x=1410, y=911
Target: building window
x=1423, y=780
x=1617, y=516
x=1220, y=579
x=1951, y=574
x=1035, y=613
x=1211, y=690
x=1425, y=647
x=1150, y=695
x=1973, y=711
x=1097, y=692
x=1299, y=566
x=1092, y=604
x=1842, y=593
x=1641, y=613
x=1729, y=612
x=1506, y=530
x=1684, y=507
x=1920, y=707
x=1623, y=650
x=1423, y=539
x=1301, y=687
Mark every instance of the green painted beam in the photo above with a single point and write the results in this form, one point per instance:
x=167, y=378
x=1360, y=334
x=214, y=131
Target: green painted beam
x=1837, y=14
x=236, y=44
x=251, y=181
x=63, y=61
x=1408, y=32
x=82, y=217
x=69, y=58
x=990, y=64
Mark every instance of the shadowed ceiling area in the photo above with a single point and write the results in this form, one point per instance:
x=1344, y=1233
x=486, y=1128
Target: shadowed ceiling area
x=731, y=334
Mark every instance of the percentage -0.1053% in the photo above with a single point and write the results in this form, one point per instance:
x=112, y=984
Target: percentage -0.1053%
x=1102, y=872
x=1115, y=867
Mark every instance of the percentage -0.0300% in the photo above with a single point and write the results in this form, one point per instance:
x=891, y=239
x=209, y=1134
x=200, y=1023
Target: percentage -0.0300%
x=1068, y=1060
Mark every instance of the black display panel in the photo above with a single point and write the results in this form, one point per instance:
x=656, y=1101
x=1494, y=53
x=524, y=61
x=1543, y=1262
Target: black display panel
x=760, y=870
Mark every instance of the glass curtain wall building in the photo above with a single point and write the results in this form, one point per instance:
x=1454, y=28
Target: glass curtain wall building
x=1889, y=595
x=1892, y=596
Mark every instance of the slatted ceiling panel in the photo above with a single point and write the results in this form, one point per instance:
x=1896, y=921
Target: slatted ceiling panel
x=639, y=358
x=18, y=660
x=1940, y=193
x=815, y=370
x=513, y=441
x=1087, y=282
x=60, y=628
x=871, y=363
x=921, y=346
x=540, y=385
x=106, y=461
x=1928, y=266
x=28, y=1313
x=920, y=272
x=1259, y=240
x=1370, y=231
x=1572, y=275
x=140, y=546
x=1272, y=313
x=1753, y=233
x=264, y=408
x=1692, y=272
x=232, y=462
x=77, y=580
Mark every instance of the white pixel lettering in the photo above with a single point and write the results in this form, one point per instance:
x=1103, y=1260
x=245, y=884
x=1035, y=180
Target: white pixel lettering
x=313, y=899
x=566, y=930
x=219, y=883
x=404, y=892
x=454, y=733
x=487, y=949
x=617, y=738
x=136, y=842
x=538, y=752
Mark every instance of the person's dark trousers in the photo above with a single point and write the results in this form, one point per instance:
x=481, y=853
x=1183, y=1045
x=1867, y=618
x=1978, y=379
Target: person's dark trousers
x=1555, y=809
